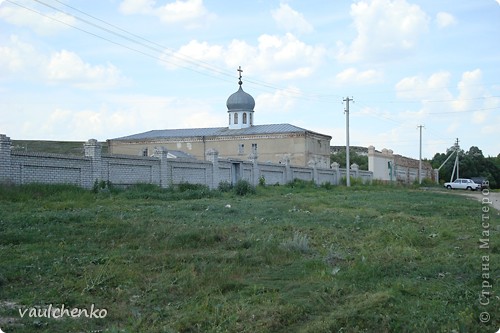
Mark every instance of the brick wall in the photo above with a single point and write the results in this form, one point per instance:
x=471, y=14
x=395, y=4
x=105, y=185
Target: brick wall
x=273, y=173
x=127, y=170
x=84, y=171
x=50, y=169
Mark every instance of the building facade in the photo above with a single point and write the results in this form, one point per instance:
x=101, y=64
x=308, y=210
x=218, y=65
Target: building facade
x=241, y=139
x=390, y=167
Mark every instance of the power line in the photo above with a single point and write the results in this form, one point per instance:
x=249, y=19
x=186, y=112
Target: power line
x=107, y=39
x=213, y=71
x=465, y=111
x=422, y=101
x=204, y=68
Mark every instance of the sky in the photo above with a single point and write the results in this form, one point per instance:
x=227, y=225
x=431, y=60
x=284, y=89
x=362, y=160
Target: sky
x=78, y=69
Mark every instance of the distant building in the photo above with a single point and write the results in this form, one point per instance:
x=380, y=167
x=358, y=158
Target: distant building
x=241, y=139
x=387, y=166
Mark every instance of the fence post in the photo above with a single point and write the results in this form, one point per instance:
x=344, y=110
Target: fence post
x=336, y=168
x=315, y=178
x=288, y=170
x=213, y=156
x=162, y=154
x=255, y=168
x=93, y=150
x=355, y=168
x=5, y=159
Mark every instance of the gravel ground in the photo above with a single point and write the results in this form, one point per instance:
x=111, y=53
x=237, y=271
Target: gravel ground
x=494, y=197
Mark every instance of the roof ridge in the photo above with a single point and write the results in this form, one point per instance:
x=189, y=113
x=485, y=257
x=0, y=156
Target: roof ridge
x=216, y=131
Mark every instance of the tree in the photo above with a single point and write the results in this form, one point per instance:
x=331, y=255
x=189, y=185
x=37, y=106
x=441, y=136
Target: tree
x=354, y=157
x=471, y=164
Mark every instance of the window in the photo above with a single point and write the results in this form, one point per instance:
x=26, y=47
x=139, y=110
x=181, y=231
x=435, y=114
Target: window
x=244, y=118
x=241, y=149
x=251, y=118
x=145, y=152
x=254, y=148
x=235, y=118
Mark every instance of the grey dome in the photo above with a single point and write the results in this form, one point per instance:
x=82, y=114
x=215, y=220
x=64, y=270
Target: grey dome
x=240, y=100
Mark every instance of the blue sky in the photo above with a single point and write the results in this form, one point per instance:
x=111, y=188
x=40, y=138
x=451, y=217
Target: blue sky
x=79, y=69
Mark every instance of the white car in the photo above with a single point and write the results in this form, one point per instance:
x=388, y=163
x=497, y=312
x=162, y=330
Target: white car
x=463, y=184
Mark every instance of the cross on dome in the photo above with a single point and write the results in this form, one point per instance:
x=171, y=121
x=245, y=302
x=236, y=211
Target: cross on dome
x=241, y=71
x=240, y=107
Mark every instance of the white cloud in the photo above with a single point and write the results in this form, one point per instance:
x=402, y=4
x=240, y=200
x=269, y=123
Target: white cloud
x=445, y=19
x=354, y=76
x=202, y=119
x=290, y=20
x=420, y=88
x=192, y=13
x=277, y=57
x=130, y=7
x=278, y=101
x=469, y=89
x=498, y=1
x=193, y=51
x=25, y=61
x=480, y=117
x=65, y=66
x=179, y=11
x=120, y=115
x=48, y=24
x=456, y=112
x=453, y=127
x=17, y=57
x=385, y=29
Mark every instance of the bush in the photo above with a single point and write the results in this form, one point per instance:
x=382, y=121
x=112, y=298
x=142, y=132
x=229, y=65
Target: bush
x=354, y=181
x=429, y=183
x=183, y=191
x=185, y=186
x=327, y=185
x=225, y=186
x=100, y=186
x=262, y=181
x=301, y=184
x=243, y=187
x=426, y=182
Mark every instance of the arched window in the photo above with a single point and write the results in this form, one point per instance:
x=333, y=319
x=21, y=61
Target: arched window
x=251, y=119
x=235, y=118
x=244, y=118
x=229, y=119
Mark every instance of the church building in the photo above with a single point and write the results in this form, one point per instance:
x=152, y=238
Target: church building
x=240, y=140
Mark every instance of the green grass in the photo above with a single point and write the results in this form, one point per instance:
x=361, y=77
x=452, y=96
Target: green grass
x=54, y=147
x=285, y=259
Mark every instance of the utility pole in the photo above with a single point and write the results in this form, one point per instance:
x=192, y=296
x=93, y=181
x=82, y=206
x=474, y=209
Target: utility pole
x=454, y=150
x=420, y=157
x=347, y=157
x=457, y=164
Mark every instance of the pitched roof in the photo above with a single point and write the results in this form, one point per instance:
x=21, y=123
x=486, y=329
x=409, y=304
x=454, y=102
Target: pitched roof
x=216, y=131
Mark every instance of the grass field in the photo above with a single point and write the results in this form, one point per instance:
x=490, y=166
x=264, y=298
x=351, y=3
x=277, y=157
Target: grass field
x=285, y=259
x=54, y=147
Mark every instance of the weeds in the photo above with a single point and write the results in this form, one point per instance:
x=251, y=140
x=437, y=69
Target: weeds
x=299, y=243
x=225, y=187
x=293, y=258
x=301, y=184
x=243, y=188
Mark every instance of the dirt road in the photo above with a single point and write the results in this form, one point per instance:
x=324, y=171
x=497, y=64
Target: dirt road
x=493, y=197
